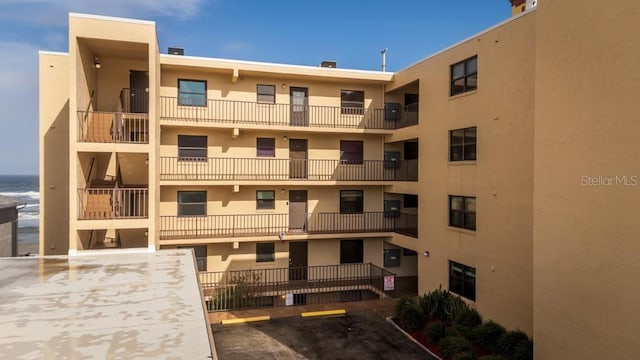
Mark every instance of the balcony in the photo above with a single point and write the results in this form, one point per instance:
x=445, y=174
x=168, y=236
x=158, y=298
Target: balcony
x=130, y=125
x=113, y=203
x=247, y=169
x=261, y=114
x=243, y=289
x=240, y=225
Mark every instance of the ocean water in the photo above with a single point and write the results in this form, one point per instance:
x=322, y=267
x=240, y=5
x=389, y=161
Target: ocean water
x=24, y=188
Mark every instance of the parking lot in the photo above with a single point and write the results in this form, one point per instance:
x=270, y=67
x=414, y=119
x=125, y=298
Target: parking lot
x=357, y=335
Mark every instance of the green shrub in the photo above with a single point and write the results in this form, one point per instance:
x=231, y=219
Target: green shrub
x=409, y=314
x=488, y=335
x=515, y=345
x=452, y=345
x=441, y=305
x=466, y=321
x=434, y=331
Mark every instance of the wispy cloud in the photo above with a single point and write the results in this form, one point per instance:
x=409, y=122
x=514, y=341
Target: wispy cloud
x=52, y=12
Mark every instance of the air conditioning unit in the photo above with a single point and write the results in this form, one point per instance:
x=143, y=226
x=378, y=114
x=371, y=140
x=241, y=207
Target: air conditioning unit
x=175, y=51
x=391, y=159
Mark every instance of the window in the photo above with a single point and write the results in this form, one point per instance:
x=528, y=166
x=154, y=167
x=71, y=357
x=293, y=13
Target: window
x=351, y=202
x=192, y=92
x=265, y=199
x=410, y=201
x=462, y=212
x=350, y=152
x=192, y=148
x=464, y=76
x=352, y=102
x=266, y=147
x=201, y=255
x=265, y=252
x=266, y=94
x=192, y=203
x=351, y=251
x=462, y=280
x=462, y=144
x=411, y=102
x=410, y=150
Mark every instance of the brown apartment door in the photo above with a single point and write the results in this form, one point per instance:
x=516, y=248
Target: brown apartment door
x=299, y=106
x=298, y=158
x=297, y=260
x=138, y=101
x=298, y=210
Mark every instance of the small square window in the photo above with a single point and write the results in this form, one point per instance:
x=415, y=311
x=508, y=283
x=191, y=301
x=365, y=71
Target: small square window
x=192, y=148
x=462, y=144
x=464, y=76
x=192, y=92
x=265, y=252
x=351, y=202
x=266, y=94
x=351, y=251
x=351, y=152
x=462, y=212
x=265, y=199
x=192, y=203
x=352, y=102
x=462, y=280
x=266, y=147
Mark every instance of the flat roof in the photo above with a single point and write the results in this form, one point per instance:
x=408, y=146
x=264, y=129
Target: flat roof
x=7, y=202
x=113, y=305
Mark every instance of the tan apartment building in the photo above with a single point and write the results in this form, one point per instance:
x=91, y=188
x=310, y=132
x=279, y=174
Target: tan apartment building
x=275, y=166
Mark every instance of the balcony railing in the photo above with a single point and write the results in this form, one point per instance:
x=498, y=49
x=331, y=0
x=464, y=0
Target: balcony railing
x=118, y=203
x=175, y=168
x=254, y=113
x=240, y=225
x=266, y=287
x=113, y=127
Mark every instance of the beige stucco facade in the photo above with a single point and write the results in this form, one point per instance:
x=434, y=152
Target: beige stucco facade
x=542, y=251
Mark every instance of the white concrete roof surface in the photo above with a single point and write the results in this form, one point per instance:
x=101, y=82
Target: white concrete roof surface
x=112, y=305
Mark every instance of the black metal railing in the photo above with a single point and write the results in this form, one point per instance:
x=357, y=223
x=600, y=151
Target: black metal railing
x=254, y=113
x=240, y=289
x=241, y=225
x=113, y=127
x=116, y=203
x=182, y=168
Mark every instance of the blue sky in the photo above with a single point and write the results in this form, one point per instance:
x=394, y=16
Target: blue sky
x=296, y=32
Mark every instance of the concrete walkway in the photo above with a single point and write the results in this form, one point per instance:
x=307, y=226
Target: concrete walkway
x=384, y=308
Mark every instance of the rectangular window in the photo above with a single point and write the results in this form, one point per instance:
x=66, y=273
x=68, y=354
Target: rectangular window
x=351, y=152
x=265, y=199
x=265, y=252
x=192, y=203
x=410, y=201
x=266, y=94
x=462, y=144
x=462, y=280
x=201, y=255
x=192, y=92
x=351, y=251
x=266, y=147
x=192, y=148
x=352, y=102
x=351, y=202
x=462, y=212
x=411, y=102
x=464, y=76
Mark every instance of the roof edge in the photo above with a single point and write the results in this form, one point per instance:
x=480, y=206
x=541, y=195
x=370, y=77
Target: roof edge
x=112, y=18
x=504, y=22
